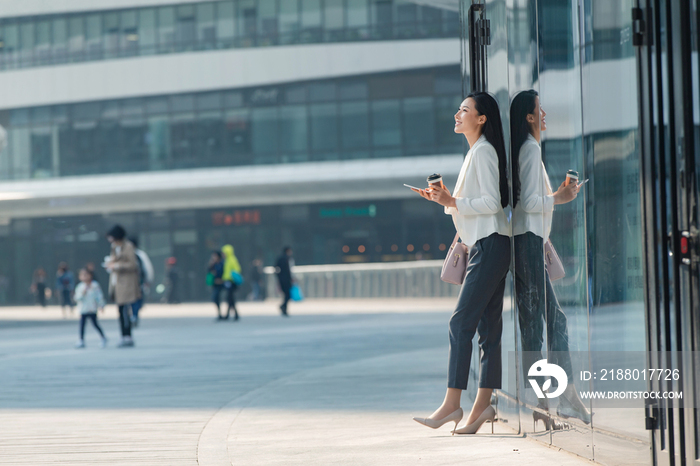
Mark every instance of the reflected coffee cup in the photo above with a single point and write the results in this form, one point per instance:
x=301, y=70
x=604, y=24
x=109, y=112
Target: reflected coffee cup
x=571, y=175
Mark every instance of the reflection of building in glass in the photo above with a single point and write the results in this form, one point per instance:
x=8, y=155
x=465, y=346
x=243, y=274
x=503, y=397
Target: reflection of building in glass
x=251, y=122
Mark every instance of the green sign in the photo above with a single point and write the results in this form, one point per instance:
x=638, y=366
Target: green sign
x=348, y=212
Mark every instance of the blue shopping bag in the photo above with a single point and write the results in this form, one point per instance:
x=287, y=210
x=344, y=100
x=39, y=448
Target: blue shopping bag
x=296, y=293
x=237, y=278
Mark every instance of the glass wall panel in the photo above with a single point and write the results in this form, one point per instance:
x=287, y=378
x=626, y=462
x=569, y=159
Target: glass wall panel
x=382, y=19
x=158, y=142
x=93, y=37
x=430, y=20
x=63, y=38
x=111, y=35
x=333, y=20
x=419, y=125
x=185, y=28
x=321, y=120
x=237, y=137
x=27, y=40
x=42, y=50
x=166, y=29
x=129, y=42
x=324, y=128
x=264, y=133
x=59, y=47
x=585, y=85
x=225, y=24
x=208, y=145
x=311, y=21
x=294, y=132
x=147, y=31
x=10, y=50
x=267, y=18
x=386, y=127
x=357, y=19
x=247, y=18
x=354, y=128
x=405, y=18
x=76, y=38
x=289, y=21
x=206, y=28
x=183, y=132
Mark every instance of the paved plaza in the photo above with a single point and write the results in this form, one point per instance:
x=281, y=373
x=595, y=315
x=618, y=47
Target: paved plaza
x=336, y=383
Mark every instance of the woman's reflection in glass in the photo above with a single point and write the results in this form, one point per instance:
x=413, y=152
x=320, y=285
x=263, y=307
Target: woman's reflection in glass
x=533, y=206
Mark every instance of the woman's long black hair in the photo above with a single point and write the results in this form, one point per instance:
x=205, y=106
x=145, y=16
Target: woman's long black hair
x=493, y=131
x=523, y=105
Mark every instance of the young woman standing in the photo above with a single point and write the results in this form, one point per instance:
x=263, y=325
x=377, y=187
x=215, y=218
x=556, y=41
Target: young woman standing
x=476, y=208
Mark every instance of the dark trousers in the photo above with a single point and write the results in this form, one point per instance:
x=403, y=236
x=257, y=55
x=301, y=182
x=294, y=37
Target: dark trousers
x=216, y=297
x=136, y=307
x=66, y=299
x=538, y=305
x=287, y=291
x=125, y=319
x=480, y=307
x=41, y=294
x=231, y=298
x=93, y=318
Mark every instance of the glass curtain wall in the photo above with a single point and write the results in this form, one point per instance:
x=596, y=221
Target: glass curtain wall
x=371, y=116
x=76, y=37
x=566, y=83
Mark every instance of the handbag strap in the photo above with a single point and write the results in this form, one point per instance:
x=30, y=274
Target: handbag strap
x=455, y=240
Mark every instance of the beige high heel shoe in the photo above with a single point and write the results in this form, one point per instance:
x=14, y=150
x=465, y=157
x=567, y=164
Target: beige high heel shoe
x=455, y=417
x=489, y=414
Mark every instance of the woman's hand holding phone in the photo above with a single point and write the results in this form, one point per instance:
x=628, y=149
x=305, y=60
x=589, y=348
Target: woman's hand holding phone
x=425, y=193
x=566, y=193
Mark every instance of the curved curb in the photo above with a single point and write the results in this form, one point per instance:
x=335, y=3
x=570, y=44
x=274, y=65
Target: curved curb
x=212, y=448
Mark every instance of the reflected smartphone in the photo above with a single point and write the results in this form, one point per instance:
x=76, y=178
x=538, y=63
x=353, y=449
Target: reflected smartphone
x=584, y=182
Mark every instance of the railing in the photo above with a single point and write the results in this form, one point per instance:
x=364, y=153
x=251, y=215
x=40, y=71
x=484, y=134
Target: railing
x=420, y=279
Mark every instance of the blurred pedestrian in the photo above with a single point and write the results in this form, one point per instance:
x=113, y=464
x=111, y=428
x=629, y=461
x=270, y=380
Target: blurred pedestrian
x=256, y=280
x=216, y=279
x=39, y=286
x=90, y=267
x=172, y=279
x=145, y=280
x=124, y=279
x=283, y=269
x=232, y=275
x=88, y=295
x=65, y=282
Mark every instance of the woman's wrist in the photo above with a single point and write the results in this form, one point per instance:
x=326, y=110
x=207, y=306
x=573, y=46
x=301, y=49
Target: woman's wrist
x=452, y=202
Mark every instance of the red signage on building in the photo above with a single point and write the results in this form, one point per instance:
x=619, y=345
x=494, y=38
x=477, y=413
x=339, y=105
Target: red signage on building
x=237, y=217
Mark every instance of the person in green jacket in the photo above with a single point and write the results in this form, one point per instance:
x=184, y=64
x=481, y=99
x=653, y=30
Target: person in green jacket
x=231, y=266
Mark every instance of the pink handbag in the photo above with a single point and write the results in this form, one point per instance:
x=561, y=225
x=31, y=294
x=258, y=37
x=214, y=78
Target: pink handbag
x=552, y=261
x=454, y=269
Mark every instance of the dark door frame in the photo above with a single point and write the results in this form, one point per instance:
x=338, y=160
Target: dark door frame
x=662, y=32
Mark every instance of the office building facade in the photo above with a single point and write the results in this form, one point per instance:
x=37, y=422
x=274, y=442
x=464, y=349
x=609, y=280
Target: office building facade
x=195, y=124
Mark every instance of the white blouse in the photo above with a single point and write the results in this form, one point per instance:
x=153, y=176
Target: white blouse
x=477, y=196
x=536, y=203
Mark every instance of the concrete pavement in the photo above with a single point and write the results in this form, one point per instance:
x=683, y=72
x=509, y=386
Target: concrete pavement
x=336, y=383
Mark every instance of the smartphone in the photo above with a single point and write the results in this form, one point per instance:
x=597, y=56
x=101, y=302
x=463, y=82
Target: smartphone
x=412, y=187
x=584, y=182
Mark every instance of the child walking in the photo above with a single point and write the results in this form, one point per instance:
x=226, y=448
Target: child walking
x=89, y=297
